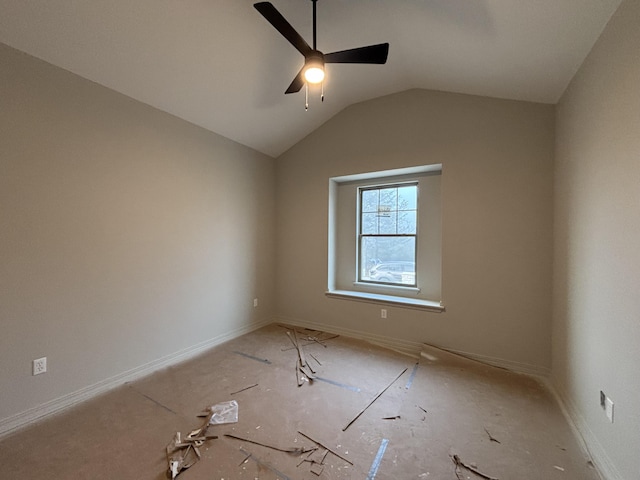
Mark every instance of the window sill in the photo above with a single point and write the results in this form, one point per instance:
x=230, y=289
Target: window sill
x=387, y=300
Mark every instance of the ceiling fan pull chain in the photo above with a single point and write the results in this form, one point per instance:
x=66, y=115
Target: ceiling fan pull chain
x=322, y=94
x=306, y=97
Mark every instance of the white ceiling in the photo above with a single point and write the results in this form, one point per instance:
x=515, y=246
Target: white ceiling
x=220, y=65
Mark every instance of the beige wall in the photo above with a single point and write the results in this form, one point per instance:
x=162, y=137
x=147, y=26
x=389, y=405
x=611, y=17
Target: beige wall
x=596, y=335
x=497, y=159
x=127, y=235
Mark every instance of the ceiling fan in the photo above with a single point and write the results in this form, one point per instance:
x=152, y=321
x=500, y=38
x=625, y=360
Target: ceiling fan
x=314, y=59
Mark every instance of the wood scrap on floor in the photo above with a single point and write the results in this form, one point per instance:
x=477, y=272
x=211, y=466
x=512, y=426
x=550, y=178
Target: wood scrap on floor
x=302, y=366
x=300, y=378
x=317, y=361
x=316, y=459
x=182, y=453
x=252, y=357
x=180, y=456
x=264, y=465
x=432, y=354
x=491, y=437
x=291, y=450
x=317, y=468
x=459, y=463
x=243, y=389
x=374, y=399
x=316, y=338
x=324, y=445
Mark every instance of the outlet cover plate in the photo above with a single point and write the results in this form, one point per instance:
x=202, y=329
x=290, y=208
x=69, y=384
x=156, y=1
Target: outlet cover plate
x=39, y=365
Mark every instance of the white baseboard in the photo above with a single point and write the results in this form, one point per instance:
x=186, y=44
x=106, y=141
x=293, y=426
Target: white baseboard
x=22, y=419
x=588, y=441
x=412, y=348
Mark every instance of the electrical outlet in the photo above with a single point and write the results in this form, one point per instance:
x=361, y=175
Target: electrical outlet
x=383, y=313
x=40, y=365
x=255, y=302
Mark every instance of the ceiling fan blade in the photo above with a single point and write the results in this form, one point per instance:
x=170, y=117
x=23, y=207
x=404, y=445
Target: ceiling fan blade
x=297, y=83
x=371, y=54
x=274, y=17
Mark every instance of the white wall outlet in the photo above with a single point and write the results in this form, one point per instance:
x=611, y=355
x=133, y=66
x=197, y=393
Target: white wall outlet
x=608, y=409
x=255, y=302
x=39, y=365
x=383, y=313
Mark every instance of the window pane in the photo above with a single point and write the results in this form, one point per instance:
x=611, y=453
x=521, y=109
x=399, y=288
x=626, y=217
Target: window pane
x=408, y=197
x=388, y=199
x=387, y=223
x=370, y=200
x=369, y=223
x=388, y=260
x=407, y=222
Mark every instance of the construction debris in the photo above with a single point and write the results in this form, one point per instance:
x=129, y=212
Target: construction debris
x=317, y=361
x=243, y=389
x=317, y=468
x=292, y=450
x=220, y=413
x=299, y=376
x=180, y=455
x=432, y=354
x=302, y=366
x=183, y=453
x=459, y=463
x=265, y=465
x=323, y=445
x=491, y=438
x=316, y=459
x=374, y=399
x=257, y=359
x=310, y=339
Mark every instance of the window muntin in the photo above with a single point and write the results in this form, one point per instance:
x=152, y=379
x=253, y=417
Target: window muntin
x=387, y=234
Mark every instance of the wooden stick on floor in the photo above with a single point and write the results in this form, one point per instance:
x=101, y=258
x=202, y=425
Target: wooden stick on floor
x=374, y=399
x=460, y=463
x=324, y=446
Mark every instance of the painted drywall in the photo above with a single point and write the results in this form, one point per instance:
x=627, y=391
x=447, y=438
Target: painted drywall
x=596, y=314
x=128, y=235
x=497, y=187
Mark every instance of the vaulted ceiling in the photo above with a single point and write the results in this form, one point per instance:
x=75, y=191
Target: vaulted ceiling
x=219, y=64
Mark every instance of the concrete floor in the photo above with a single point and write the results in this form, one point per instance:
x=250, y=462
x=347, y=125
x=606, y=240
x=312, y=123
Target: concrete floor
x=444, y=407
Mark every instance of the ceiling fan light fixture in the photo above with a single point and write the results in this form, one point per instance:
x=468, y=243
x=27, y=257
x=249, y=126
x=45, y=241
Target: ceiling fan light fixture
x=314, y=69
x=314, y=74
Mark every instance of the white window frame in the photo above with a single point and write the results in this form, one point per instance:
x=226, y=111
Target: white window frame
x=344, y=237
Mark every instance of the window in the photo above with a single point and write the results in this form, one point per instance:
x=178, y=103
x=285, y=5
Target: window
x=385, y=237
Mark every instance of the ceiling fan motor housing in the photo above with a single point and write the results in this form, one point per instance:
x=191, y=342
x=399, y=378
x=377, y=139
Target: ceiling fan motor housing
x=315, y=59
